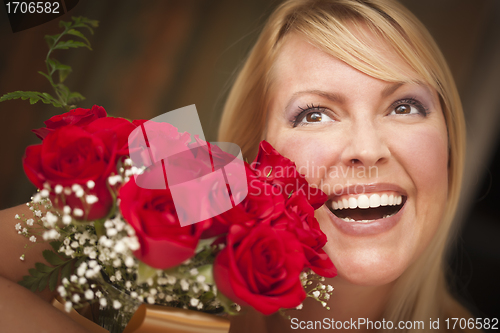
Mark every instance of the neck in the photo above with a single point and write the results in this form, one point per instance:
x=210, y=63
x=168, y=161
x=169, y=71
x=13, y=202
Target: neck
x=347, y=303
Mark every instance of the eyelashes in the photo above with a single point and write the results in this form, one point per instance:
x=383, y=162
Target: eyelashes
x=409, y=106
x=306, y=111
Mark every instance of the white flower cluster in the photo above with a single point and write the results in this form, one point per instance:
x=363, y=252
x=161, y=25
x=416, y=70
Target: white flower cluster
x=128, y=170
x=185, y=288
x=320, y=292
x=106, y=271
x=78, y=289
x=29, y=227
x=111, y=252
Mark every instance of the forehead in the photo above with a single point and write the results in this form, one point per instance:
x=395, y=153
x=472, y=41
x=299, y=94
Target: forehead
x=299, y=57
x=302, y=68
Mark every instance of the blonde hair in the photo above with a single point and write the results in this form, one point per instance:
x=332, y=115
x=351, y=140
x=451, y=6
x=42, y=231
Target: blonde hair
x=344, y=29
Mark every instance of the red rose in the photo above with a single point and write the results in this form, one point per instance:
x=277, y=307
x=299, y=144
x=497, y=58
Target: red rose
x=112, y=129
x=263, y=203
x=153, y=141
x=260, y=267
x=71, y=155
x=279, y=171
x=299, y=219
x=78, y=117
x=152, y=214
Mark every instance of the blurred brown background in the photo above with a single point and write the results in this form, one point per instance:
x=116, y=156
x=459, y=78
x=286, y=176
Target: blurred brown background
x=153, y=56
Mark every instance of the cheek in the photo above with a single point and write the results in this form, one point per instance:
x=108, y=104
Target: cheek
x=424, y=154
x=423, y=157
x=312, y=153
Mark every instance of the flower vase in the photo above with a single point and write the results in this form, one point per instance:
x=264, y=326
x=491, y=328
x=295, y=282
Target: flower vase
x=115, y=320
x=116, y=314
x=156, y=318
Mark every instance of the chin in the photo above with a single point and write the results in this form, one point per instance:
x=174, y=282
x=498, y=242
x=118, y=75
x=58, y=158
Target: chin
x=368, y=272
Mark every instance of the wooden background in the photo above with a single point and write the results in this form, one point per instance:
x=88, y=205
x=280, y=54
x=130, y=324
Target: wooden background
x=154, y=56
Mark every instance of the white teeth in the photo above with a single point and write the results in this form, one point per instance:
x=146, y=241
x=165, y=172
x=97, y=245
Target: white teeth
x=374, y=201
x=384, y=200
x=364, y=202
x=353, y=203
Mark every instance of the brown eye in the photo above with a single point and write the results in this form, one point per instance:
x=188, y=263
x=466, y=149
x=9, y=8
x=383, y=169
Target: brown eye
x=403, y=109
x=314, y=117
x=310, y=116
x=408, y=106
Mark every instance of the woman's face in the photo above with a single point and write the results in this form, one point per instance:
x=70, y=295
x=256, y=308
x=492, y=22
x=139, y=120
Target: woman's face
x=365, y=143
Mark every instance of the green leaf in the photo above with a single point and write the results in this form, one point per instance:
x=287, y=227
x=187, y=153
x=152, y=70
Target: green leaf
x=56, y=104
x=51, y=39
x=226, y=303
x=33, y=96
x=202, y=243
x=64, y=24
x=207, y=272
x=64, y=45
x=63, y=74
x=47, y=76
x=64, y=95
x=267, y=176
x=34, y=285
x=48, y=96
x=56, y=65
x=55, y=245
x=48, y=99
x=144, y=272
x=42, y=283
x=54, y=277
x=75, y=97
x=83, y=22
x=79, y=34
x=63, y=91
x=29, y=282
x=64, y=70
x=33, y=272
x=26, y=282
x=43, y=268
x=24, y=95
x=66, y=271
x=52, y=258
x=79, y=261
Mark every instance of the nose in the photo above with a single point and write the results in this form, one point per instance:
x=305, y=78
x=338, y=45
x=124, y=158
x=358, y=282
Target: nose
x=365, y=145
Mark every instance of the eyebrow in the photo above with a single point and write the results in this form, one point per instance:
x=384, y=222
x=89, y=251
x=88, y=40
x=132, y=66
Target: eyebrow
x=389, y=90
x=334, y=97
x=339, y=98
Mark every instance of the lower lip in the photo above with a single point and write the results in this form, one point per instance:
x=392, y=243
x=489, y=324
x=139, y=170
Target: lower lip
x=368, y=228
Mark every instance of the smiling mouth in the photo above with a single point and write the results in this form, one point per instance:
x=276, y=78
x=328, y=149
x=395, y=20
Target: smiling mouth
x=366, y=208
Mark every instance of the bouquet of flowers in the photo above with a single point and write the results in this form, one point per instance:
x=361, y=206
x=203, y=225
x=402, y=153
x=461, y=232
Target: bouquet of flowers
x=109, y=204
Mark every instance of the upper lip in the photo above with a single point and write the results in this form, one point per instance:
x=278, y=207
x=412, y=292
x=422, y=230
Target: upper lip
x=366, y=188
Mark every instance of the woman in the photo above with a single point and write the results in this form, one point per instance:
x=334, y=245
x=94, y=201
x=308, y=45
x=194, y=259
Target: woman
x=344, y=86
x=359, y=96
